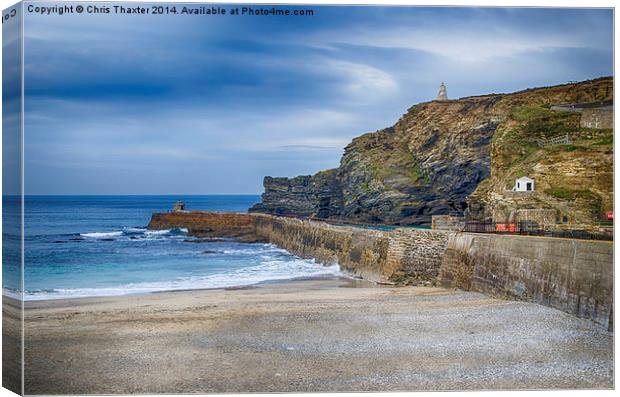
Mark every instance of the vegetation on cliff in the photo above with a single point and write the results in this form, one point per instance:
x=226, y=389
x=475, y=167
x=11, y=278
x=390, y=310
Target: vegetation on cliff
x=575, y=180
x=462, y=156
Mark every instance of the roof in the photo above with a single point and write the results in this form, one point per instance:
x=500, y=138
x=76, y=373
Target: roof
x=525, y=179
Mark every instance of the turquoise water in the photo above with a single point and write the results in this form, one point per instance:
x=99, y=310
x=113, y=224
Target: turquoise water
x=78, y=246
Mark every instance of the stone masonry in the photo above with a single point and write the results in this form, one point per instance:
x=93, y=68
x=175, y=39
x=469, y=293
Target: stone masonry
x=575, y=276
x=597, y=118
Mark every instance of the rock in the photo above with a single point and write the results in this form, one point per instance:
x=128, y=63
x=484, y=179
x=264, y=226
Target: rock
x=434, y=159
x=318, y=196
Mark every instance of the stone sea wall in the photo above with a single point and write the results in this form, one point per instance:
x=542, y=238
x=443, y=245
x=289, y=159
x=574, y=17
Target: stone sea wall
x=575, y=276
x=207, y=224
x=400, y=256
x=448, y=222
x=415, y=255
x=359, y=251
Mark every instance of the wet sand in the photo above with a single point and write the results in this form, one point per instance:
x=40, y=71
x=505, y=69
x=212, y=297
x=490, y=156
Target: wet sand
x=311, y=335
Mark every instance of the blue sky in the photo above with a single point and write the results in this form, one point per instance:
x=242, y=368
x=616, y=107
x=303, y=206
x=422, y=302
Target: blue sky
x=205, y=105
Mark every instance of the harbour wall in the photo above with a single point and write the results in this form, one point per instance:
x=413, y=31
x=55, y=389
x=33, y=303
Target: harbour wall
x=399, y=257
x=575, y=276
x=361, y=252
x=207, y=224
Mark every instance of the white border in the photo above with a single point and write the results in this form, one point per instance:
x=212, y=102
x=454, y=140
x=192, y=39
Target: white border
x=458, y=3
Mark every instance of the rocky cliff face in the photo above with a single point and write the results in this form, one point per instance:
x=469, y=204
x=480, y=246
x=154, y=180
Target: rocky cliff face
x=433, y=160
x=318, y=195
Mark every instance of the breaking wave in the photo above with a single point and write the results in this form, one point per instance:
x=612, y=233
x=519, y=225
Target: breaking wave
x=267, y=270
x=134, y=232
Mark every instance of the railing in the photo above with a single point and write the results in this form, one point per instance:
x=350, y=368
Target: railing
x=528, y=228
x=557, y=140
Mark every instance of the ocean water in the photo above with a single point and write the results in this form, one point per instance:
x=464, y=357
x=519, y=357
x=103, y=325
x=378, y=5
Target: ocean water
x=79, y=246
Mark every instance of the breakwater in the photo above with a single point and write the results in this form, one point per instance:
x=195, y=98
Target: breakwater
x=207, y=224
x=575, y=276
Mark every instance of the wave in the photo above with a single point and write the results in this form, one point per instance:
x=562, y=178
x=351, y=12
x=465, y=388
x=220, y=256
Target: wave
x=165, y=232
x=101, y=234
x=134, y=232
x=267, y=270
x=12, y=293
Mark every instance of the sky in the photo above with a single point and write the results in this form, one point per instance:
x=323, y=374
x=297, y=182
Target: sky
x=186, y=104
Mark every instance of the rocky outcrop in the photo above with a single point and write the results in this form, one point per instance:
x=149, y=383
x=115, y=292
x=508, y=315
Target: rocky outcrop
x=434, y=159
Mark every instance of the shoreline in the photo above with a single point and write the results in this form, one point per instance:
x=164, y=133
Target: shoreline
x=309, y=335
x=349, y=280
x=343, y=278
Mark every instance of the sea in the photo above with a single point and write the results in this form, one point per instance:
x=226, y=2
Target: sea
x=89, y=246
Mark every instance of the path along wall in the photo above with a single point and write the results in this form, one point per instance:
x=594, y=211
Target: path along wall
x=575, y=276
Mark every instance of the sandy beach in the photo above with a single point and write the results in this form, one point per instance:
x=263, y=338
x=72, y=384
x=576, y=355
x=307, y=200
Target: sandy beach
x=309, y=335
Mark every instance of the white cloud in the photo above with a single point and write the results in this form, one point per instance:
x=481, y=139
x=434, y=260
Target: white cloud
x=364, y=80
x=460, y=43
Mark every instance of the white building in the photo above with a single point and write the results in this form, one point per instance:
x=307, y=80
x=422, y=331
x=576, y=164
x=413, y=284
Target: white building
x=524, y=184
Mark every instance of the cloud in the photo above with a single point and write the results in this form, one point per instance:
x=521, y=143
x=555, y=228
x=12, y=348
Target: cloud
x=478, y=35
x=176, y=105
x=365, y=80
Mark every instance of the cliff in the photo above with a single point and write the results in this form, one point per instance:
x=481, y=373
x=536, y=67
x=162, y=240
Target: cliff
x=317, y=195
x=462, y=156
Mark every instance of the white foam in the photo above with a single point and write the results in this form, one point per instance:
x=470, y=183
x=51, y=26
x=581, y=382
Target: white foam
x=268, y=270
x=164, y=232
x=157, y=232
x=135, y=231
x=12, y=293
x=101, y=234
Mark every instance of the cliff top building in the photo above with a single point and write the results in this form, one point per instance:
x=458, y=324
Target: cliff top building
x=442, y=95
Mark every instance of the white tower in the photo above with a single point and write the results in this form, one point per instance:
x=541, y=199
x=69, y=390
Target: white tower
x=442, y=95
